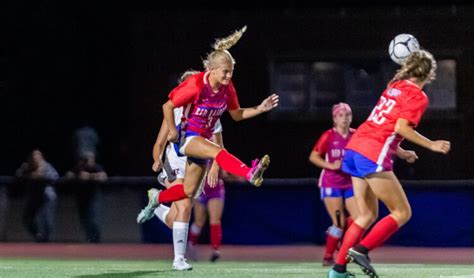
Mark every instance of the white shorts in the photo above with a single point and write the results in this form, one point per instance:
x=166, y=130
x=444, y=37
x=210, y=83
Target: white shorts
x=174, y=168
x=184, y=143
x=174, y=165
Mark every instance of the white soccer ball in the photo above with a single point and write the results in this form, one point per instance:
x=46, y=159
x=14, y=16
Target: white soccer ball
x=401, y=47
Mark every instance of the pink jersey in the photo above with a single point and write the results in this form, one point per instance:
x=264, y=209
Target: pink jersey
x=331, y=145
x=202, y=107
x=376, y=138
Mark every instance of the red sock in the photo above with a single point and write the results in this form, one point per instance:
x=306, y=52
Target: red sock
x=349, y=222
x=193, y=238
x=331, y=245
x=232, y=164
x=194, y=233
x=380, y=233
x=174, y=193
x=216, y=236
x=352, y=236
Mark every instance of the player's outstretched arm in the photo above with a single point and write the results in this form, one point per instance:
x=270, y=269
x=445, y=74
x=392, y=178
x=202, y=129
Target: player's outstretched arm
x=405, y=129
x=159, y=146
x=245, y=113
x=213, y=173
x=169, y=118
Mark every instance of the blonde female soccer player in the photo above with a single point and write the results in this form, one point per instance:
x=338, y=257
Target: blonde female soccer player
x=171, y=170
x=205, y=97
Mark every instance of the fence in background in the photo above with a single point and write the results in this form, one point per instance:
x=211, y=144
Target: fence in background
x=282, y=211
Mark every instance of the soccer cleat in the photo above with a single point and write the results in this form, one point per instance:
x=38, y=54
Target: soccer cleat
x=328, y=261
x=215, y=256
x=181, y=264
x=334, y=274
x=256, y=172
x=148, y=212
x=363, y=261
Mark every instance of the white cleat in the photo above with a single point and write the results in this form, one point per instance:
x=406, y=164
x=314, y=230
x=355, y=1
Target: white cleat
x=181, y=264
x=149, y=211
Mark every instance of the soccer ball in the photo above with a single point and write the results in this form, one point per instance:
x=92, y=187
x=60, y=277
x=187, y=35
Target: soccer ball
x=401, y=47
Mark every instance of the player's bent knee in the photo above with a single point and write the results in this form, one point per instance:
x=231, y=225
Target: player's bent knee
x=216, y=152
x=366, y=220
x=189, y=194
x=402, y=216
x=184, y=210
x=190, y=191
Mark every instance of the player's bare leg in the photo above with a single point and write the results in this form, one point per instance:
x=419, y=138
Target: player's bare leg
x=367, y=204
x=201, y=148
x=388, y=189
x=333, y=233
x=168, y=215
x=215, y=207
x=200, y=217
x=351, y=207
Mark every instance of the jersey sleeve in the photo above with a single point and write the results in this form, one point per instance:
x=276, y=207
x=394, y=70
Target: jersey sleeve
x=187, y=91
x=178, y=113
x=414, y=107
x=321, y=145
x=233, y=102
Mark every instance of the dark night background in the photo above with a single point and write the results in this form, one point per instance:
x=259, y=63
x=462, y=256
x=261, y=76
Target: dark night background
x=67, y=64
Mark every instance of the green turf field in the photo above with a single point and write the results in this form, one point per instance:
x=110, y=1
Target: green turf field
x=118, y=269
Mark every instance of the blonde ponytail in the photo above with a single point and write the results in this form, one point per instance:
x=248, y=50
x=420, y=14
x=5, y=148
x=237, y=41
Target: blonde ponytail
x=229, y=41
x=221, y=53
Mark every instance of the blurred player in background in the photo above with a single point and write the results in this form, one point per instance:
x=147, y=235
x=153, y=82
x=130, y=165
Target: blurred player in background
x=369, y=155
x=210, y=200
x=204, y=98
x=211, y=203
x=335, y=185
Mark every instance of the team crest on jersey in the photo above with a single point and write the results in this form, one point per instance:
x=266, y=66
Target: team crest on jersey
x=394, y=92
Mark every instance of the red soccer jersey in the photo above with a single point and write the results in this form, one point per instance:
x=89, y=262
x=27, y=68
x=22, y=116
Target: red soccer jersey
x=376, y=138
x=202, y=107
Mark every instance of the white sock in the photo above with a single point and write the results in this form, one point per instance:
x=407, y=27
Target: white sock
x=180, y=238
x=161, y=212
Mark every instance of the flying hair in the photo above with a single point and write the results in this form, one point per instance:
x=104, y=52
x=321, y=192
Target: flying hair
x=221, y=53
x=229, y=41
